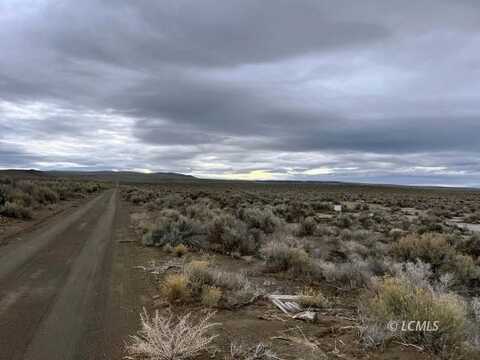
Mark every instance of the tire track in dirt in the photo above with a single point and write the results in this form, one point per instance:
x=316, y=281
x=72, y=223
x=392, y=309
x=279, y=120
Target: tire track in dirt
x=55, y=284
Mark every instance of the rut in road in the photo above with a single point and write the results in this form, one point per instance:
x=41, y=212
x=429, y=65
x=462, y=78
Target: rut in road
x=54, y=285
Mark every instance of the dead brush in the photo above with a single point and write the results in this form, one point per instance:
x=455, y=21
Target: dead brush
x=211, y=296
x=258, y=352
x=313, y=298
x=171, y=337
x=175, y=288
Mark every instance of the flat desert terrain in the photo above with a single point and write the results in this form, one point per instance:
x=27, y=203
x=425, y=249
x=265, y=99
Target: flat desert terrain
x=350, y=259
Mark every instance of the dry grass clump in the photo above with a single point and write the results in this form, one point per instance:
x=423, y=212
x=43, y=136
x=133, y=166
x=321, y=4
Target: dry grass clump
x=398, y=300
x=258, y=352
x=238, y=289
x=313, y=298
x=211, y=296
x=171, y=338
x=210, y=285
x=180, y=250
x=175, y=288
x=198, y=275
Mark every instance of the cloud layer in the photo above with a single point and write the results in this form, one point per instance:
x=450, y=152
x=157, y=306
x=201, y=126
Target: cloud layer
x=359, y=91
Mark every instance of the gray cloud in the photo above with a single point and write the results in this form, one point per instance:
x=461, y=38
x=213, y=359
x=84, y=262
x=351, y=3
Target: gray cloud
x=371, y=90
x=14, y=155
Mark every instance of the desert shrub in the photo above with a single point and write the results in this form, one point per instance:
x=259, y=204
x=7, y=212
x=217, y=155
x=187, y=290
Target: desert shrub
x=63, y=192
x=430, y=224
x=138, y=198
x=230, y=280
x=200, y=211
x=473, y=218
x=26, y=186
x=296, y=210
x=324, y=230
x=353, y=249
x=21, y=198
x=396, y=234
x=45, y=195
x=171, y=338
x=429, y=247
x=399, y=300
x=284, y=256
x=321, y=206
x=198, y=275
x=175, y=288
x=174, y=229
x=241, y=290
x=475, y=304
x=211, y=296
x=365, y=237
x=366, y=220
x=307, y=226
x=235, y=287
x=92, y=188
x=418, y=273
x=465, y=271
x=310, y=297
x=172, y=201
x=3, y=195
x=351, y=275
x=228, y=234
x=180, y=250
x=471, y=245
x=6, y=180
x=344, y=221
x=263, y=219
x=15, y=210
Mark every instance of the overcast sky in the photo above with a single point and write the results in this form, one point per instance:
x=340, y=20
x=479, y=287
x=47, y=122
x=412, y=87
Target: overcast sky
x=371, y=90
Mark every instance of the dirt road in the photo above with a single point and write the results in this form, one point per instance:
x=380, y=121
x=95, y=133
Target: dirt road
x=58, y=300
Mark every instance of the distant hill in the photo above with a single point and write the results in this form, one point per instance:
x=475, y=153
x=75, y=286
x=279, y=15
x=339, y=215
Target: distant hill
x=24, y=174
x=124, y=176
x=121, y=176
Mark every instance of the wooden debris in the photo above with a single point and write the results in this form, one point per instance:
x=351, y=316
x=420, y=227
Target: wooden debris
x=306, y=315
x=288, y=305
x=155, y=269
x=419, y=348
